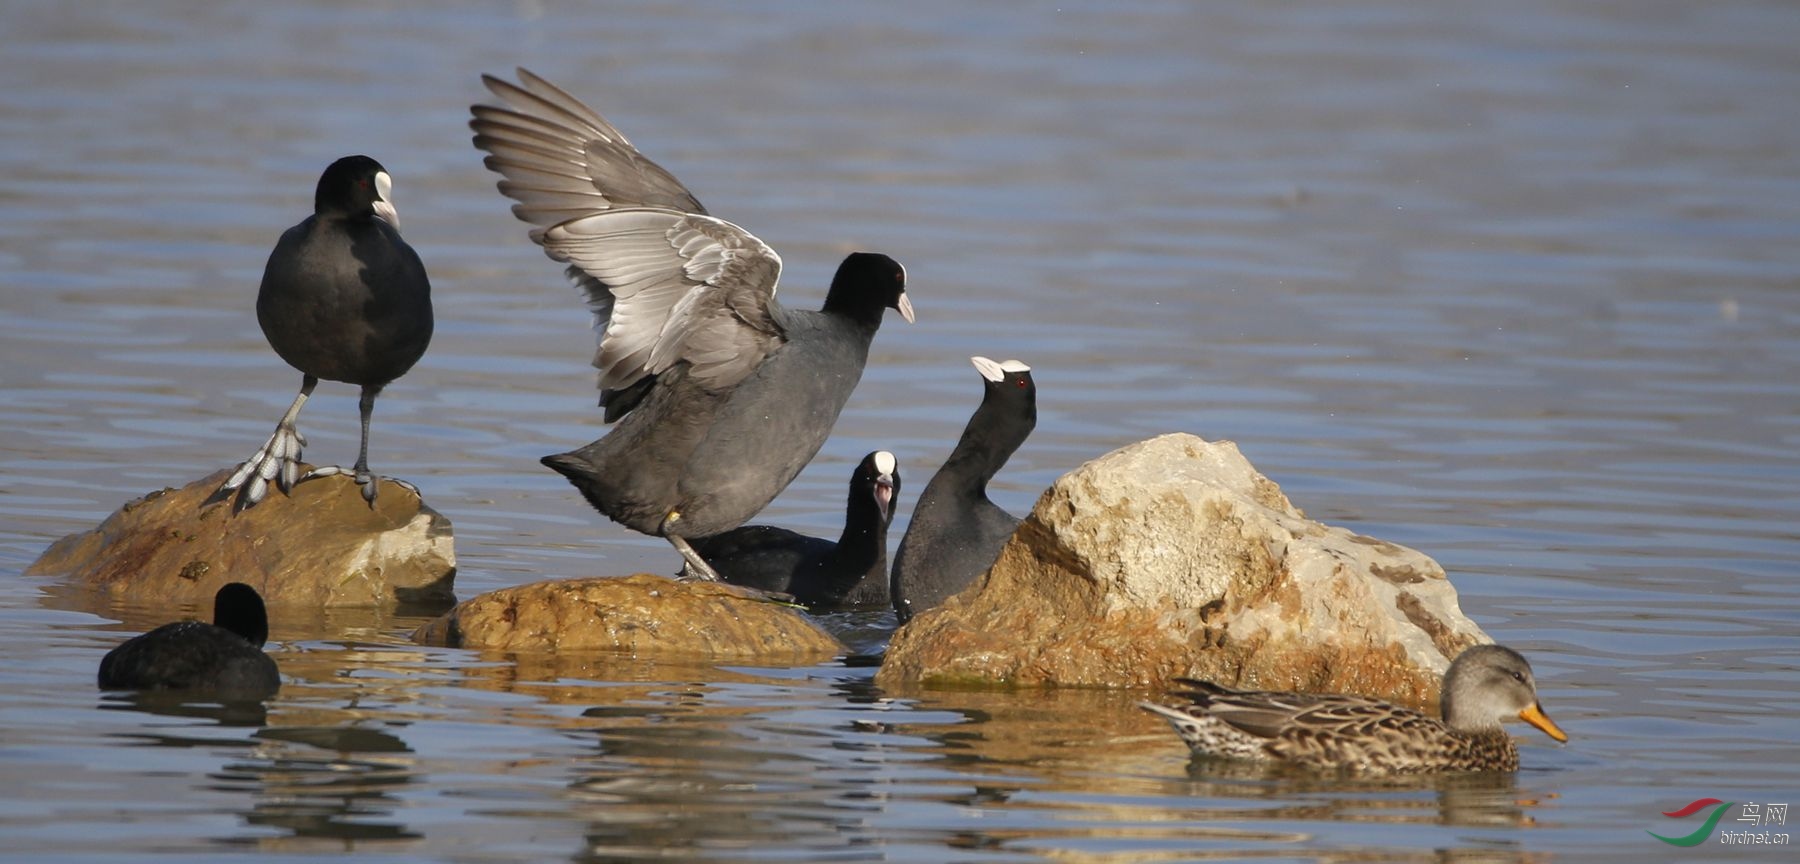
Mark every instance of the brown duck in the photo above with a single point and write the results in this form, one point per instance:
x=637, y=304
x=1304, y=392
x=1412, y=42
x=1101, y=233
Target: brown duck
x=1486, y=686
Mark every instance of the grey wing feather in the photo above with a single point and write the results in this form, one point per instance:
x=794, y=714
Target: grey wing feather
x=599, y=302
x=546, y=143
x=684, y=287
x=1269, y=714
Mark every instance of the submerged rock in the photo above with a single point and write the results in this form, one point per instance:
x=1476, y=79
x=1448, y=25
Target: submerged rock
x=1174, y=557
x=320, y=546
x=642, y=615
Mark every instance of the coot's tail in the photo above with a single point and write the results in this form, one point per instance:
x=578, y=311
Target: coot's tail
x=571, y=465
x=585, y=477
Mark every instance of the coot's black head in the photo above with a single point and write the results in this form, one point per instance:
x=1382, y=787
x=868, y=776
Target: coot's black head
x=356, y=187
x=865, y=284
x=238, y=608
x=1007, y=385
x=877, y=479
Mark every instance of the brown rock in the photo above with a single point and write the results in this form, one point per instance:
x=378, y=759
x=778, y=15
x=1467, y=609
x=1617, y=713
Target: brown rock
x=321, y=546
x=1174, y=557
x=642, y=615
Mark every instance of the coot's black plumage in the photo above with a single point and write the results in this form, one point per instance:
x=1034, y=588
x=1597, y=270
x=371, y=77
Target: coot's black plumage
x=956, y=532
x=818, y=572
x=725, y=395
x=224, y=657
x=345, y=299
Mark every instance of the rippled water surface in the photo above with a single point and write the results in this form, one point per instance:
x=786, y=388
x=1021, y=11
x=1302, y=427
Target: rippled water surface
x=1517, y=284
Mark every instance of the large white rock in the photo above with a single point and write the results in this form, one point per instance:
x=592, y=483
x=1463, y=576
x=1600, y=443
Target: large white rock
x=1174, y=557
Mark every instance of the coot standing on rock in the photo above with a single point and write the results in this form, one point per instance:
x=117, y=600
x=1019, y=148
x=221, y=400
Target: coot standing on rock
x=724, y=394
x=816, y=571
x=956, y=532
x=223, y=657
x=1486, y=685
x=345, y=299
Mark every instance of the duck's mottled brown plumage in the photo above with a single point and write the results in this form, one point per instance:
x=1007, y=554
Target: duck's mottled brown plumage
x=1488, y=684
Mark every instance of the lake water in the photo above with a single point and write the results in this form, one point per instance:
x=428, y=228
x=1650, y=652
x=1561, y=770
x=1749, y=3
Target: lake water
x=1517, y=284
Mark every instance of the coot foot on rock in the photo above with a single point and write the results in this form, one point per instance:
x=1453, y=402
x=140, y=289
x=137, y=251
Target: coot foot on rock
x=363, y=478
x=779, y=598
x=278, y=460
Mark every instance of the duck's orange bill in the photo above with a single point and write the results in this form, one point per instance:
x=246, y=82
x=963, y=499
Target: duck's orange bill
x=1535, y=716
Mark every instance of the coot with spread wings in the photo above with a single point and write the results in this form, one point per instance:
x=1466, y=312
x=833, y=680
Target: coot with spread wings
x=721, y=394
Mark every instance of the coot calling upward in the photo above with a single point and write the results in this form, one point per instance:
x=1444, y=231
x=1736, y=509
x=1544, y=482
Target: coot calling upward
x=956, y=532
x=817, y=572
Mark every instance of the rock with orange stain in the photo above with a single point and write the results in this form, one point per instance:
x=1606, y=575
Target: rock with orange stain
x=321, y=546
x=642, y=615
x=1174, y=557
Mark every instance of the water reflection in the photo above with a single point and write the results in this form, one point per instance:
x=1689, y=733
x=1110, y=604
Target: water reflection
x=340, y=784
x=702, y=763
x=714, y=771
x=234, y=713
x=1490, y=800
x=138, y=613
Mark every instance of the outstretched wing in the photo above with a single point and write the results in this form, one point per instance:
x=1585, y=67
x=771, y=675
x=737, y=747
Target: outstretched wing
x=562, y=160
x=685, y=288
x=665, y=282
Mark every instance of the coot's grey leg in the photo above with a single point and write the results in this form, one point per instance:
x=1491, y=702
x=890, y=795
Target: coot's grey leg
x=369, y=482
x=278, y=460
x=697, y=568
x=366, y=406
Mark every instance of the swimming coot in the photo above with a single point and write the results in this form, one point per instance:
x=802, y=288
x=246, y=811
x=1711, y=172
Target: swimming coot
x=345, y=299
x=956, y=532
x=225, y=656
x=721, y=394
x=818, y=572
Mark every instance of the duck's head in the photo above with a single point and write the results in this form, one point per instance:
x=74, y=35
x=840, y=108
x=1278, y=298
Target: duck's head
x=1489, y=685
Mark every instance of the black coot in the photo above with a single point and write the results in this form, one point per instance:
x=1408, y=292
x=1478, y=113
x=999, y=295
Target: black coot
x=818, y=572
x=956, y=532
x=224, y=657
x=724, y=394
x=345, y=299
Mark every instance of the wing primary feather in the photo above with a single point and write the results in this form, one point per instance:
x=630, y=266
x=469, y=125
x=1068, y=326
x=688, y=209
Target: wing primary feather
x=544, y=99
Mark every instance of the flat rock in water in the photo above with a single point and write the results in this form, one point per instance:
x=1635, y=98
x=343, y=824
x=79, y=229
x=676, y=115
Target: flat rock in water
x=1174, y=557
x=322, y=546
x=641, y=615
